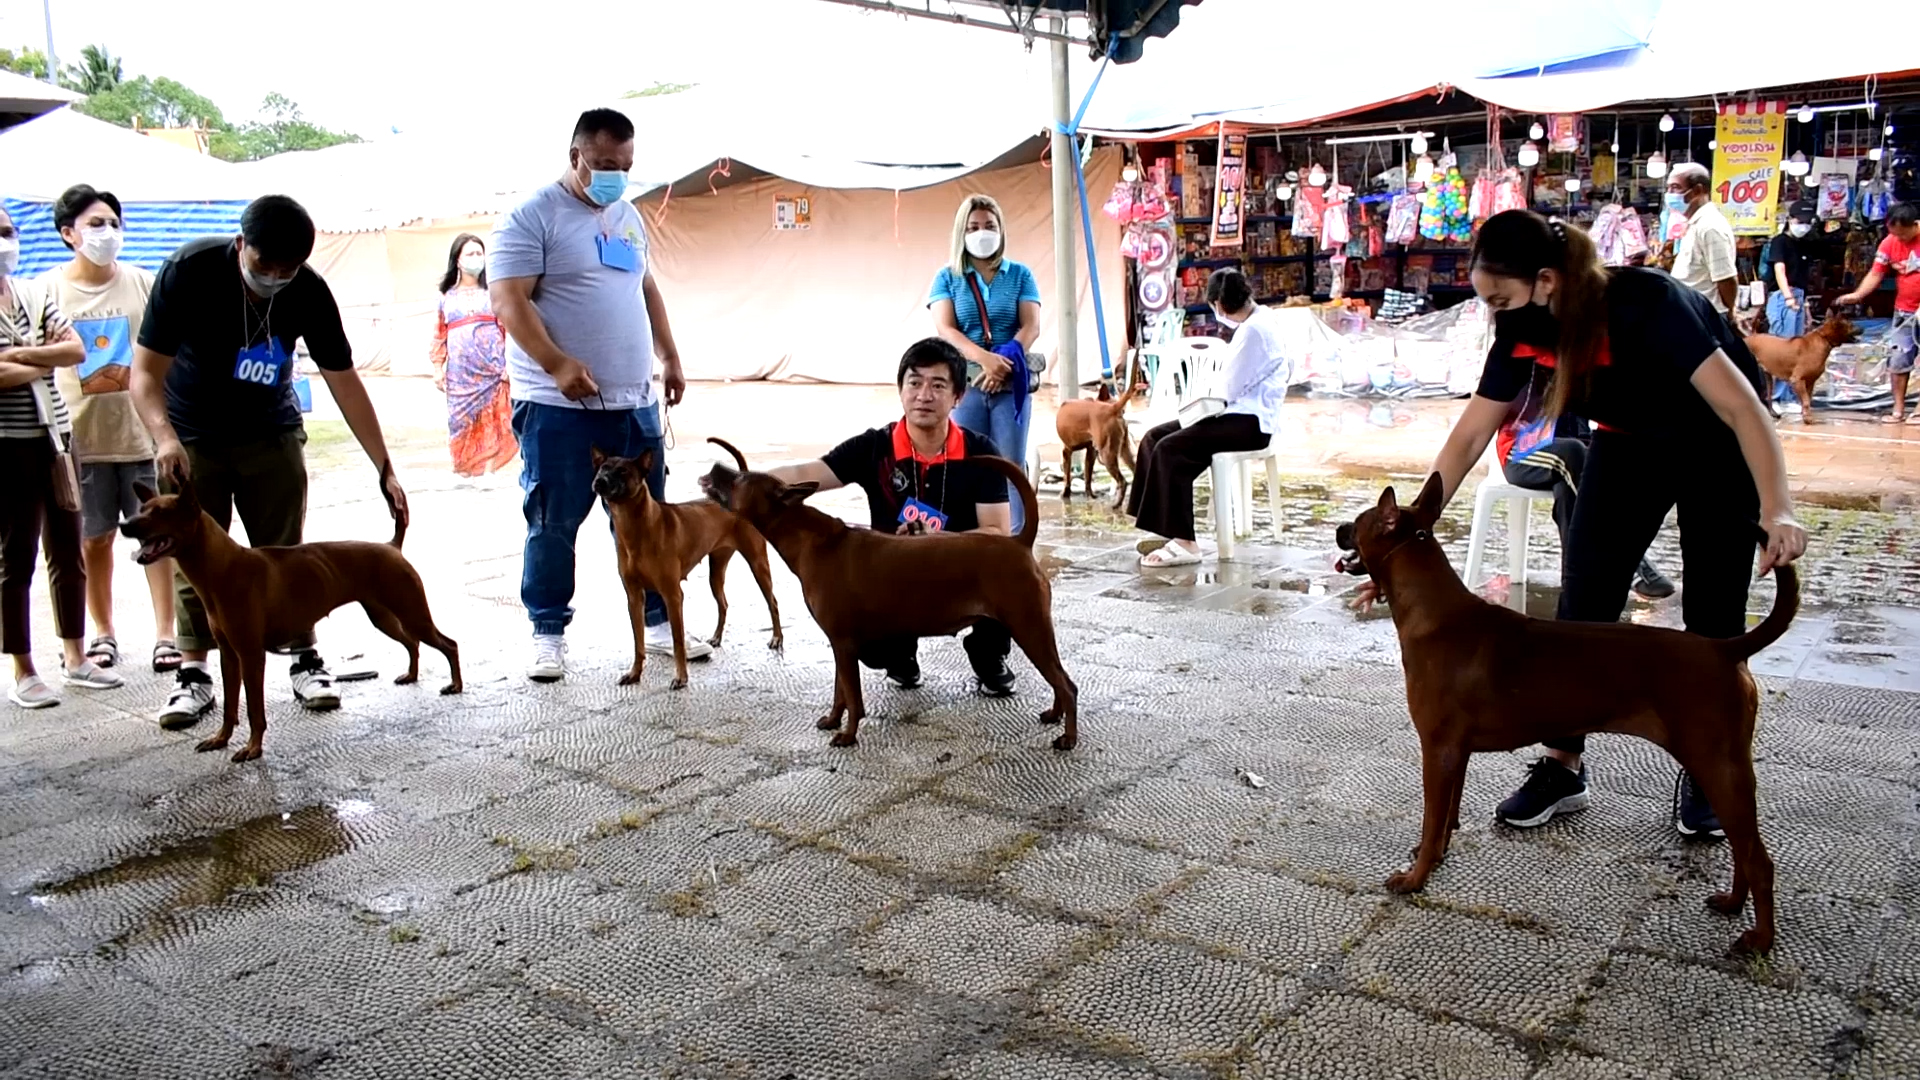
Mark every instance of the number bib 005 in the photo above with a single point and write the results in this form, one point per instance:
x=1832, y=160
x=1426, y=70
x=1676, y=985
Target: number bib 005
x=264, y=364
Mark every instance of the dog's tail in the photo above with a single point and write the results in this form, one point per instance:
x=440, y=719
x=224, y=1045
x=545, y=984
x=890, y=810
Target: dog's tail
x=399, y=531
x=1119, y=404
x=1786, y=604
x=739, y=458
x=1018, y=477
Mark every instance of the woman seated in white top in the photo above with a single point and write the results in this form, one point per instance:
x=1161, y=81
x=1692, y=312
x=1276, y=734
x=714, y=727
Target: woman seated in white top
x=1253, y=382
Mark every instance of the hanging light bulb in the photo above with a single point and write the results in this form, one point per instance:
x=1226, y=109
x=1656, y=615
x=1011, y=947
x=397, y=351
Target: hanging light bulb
x=1293, y=175
x=1316, y=177
x=1283, y=192
x=1657, y=165
x=1422, y=169
x=1573, y=183
x=1130, y=174
x=1805, y=115
x=1529, y=155
x=1888, y=130
x=1616, y=146
x=1798, y=165
x=1873, y=153
x=1417, y=144
x=1666, y=121
x=1536, y=131
x=1713, y=144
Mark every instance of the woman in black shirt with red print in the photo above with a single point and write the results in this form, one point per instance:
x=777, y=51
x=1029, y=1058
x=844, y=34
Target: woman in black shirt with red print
x=1675, y=401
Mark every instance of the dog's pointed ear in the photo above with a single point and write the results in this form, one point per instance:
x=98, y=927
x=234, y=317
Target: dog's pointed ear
x=1389, y=507
x=644, y=462
x=144, y=493
x=795, y=494
x=1432, y=496
x=599, y=456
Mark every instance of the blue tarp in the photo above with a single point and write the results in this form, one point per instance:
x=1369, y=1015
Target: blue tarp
x=154, y=231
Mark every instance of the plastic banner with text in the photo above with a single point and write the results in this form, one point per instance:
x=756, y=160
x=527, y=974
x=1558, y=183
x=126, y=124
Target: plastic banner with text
x=1751, y=139
x=1229, y=198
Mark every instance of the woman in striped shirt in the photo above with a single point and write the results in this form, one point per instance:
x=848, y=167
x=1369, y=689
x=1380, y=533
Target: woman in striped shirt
x=988, y=306
x=35, y=338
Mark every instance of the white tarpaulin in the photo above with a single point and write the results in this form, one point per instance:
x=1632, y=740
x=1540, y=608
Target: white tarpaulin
x=49, y=154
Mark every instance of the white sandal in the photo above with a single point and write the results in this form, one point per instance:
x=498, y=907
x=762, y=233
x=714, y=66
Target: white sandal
x=1170, y=555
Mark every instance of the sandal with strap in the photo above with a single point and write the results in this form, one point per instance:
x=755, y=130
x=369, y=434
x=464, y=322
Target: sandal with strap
x=1170, y=555
x=104, y=651
x=166, y=656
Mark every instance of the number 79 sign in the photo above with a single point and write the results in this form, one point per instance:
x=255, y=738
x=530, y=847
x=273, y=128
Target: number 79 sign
x=1750, y=139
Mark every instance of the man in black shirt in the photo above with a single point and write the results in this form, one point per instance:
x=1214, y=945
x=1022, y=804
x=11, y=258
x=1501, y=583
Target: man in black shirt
x=918, y=478
x=213, y=382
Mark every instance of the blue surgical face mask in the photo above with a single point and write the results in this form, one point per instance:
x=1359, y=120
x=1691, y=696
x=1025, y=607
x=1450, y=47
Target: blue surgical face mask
x=1676, y=202
x=607, y=187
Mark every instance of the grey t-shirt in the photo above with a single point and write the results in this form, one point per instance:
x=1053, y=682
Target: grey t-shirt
x=595, y=312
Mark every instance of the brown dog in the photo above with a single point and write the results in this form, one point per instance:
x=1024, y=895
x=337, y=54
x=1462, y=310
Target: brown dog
x=861, y=585
x=259, y=598
x=661, y=543
x=1481, y=677
x=1800, y=361
x=1098, y=427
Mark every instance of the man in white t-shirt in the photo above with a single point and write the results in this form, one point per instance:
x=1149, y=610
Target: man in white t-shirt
x=568, y=276
x=105, y=299
x=1703, y=261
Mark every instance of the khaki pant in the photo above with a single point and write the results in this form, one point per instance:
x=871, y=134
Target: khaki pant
x=266, y=481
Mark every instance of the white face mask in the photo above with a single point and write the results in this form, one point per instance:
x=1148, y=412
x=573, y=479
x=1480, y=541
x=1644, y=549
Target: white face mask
x=983, y=243
x=1226, y=320
x=1799, y=229
x=9, y=254
x=100, y=244
x=474, y=264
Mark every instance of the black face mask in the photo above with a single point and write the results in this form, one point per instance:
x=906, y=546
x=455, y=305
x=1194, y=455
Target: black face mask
x=1531, y=324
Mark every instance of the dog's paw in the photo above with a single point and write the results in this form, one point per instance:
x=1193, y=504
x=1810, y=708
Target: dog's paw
x=778, y=643
x=207, y=745
x=1051, y=716
x=827, y=723
x=629, y=678
x=678, y=683
x=714, y=641
x=450, y=688
x=843, y=739
x=246, y=753
x=405, y=680
x=1405, y=882
x=1753, y=943
x=1726, y=903
x=1063, y=744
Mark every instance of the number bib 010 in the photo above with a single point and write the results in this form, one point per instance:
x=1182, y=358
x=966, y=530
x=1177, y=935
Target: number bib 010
x=264, y=364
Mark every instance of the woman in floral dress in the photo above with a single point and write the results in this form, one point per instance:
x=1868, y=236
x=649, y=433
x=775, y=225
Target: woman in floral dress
x=470, y=364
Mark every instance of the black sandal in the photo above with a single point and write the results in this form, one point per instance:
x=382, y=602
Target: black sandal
x=166, y=656
x=104, y=652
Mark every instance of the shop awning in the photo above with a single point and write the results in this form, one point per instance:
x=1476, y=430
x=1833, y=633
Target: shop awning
x=22, y=95
x=1126, y=24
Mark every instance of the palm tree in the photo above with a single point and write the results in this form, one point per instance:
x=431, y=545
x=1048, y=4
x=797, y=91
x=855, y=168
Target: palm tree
x=97, y=72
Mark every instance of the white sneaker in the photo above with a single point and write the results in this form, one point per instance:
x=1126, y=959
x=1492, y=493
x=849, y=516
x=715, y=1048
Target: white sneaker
x=313, y=683
x=660, y=641
x=32, y=693
x=191, y=699
x=549, y=658
x=91, y=676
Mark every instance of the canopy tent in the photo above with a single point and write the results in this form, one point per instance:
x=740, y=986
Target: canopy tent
x=169, y=195
x=22, y=98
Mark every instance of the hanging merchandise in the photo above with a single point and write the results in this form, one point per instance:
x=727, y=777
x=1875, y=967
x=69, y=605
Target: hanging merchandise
x=1356, y=229
x=1618, y=235
x=1443, y=211
x=1156, y=291
x=1480, y=204
x=1563, y=133
x=1403, y=219
x=1309, y=206
x=1633, y=235
x=1873, y=200
x=1509, y=192
x=1835, y=198
x=1333, y=226
x=1156, y=248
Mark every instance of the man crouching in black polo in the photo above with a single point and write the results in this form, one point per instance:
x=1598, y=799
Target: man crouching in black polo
x=919, y=476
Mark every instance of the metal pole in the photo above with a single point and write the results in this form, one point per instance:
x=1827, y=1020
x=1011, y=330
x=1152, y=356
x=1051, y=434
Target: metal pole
x=53, y=61
x=1066, y=286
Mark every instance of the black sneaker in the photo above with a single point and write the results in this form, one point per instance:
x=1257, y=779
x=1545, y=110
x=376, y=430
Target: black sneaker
x=1550, y=788
x=905, y=674
x=997, y=682
x=1649, y=582
x=1692, y=814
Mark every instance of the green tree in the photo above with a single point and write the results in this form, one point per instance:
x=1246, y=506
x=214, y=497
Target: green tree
x=97, y=72
x=160, y=102
x=660, y=89
x=24, y=61
x=282, y=130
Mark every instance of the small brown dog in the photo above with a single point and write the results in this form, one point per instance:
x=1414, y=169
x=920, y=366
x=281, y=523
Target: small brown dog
x=258, y=598
x=1800, y=361
x=861, y=584
x=1482, y=678
x=661, y=543
x=1098, y=426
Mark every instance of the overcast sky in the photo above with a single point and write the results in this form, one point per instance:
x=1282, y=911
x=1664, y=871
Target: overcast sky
x=371, y=65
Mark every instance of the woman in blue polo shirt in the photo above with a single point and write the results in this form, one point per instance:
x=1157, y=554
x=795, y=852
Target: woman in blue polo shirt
x=988, y=307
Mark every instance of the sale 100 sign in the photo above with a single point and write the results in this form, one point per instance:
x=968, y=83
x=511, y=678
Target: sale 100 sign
x=1750, y=139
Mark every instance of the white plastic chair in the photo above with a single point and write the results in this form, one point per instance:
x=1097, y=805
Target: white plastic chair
x=1494, y=489
x=1190, y=372
x=1161, y=331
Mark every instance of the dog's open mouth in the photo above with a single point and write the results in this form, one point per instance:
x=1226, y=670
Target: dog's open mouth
x=1350, y=563
x=153, y=549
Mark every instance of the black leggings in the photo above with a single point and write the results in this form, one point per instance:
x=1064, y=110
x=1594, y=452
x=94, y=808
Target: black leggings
x=1172, y=457
x=1628, y=486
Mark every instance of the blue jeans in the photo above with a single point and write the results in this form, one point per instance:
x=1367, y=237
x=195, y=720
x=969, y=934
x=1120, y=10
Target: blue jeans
x=1786, y=322
x=556, y=472
x=991, y=416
